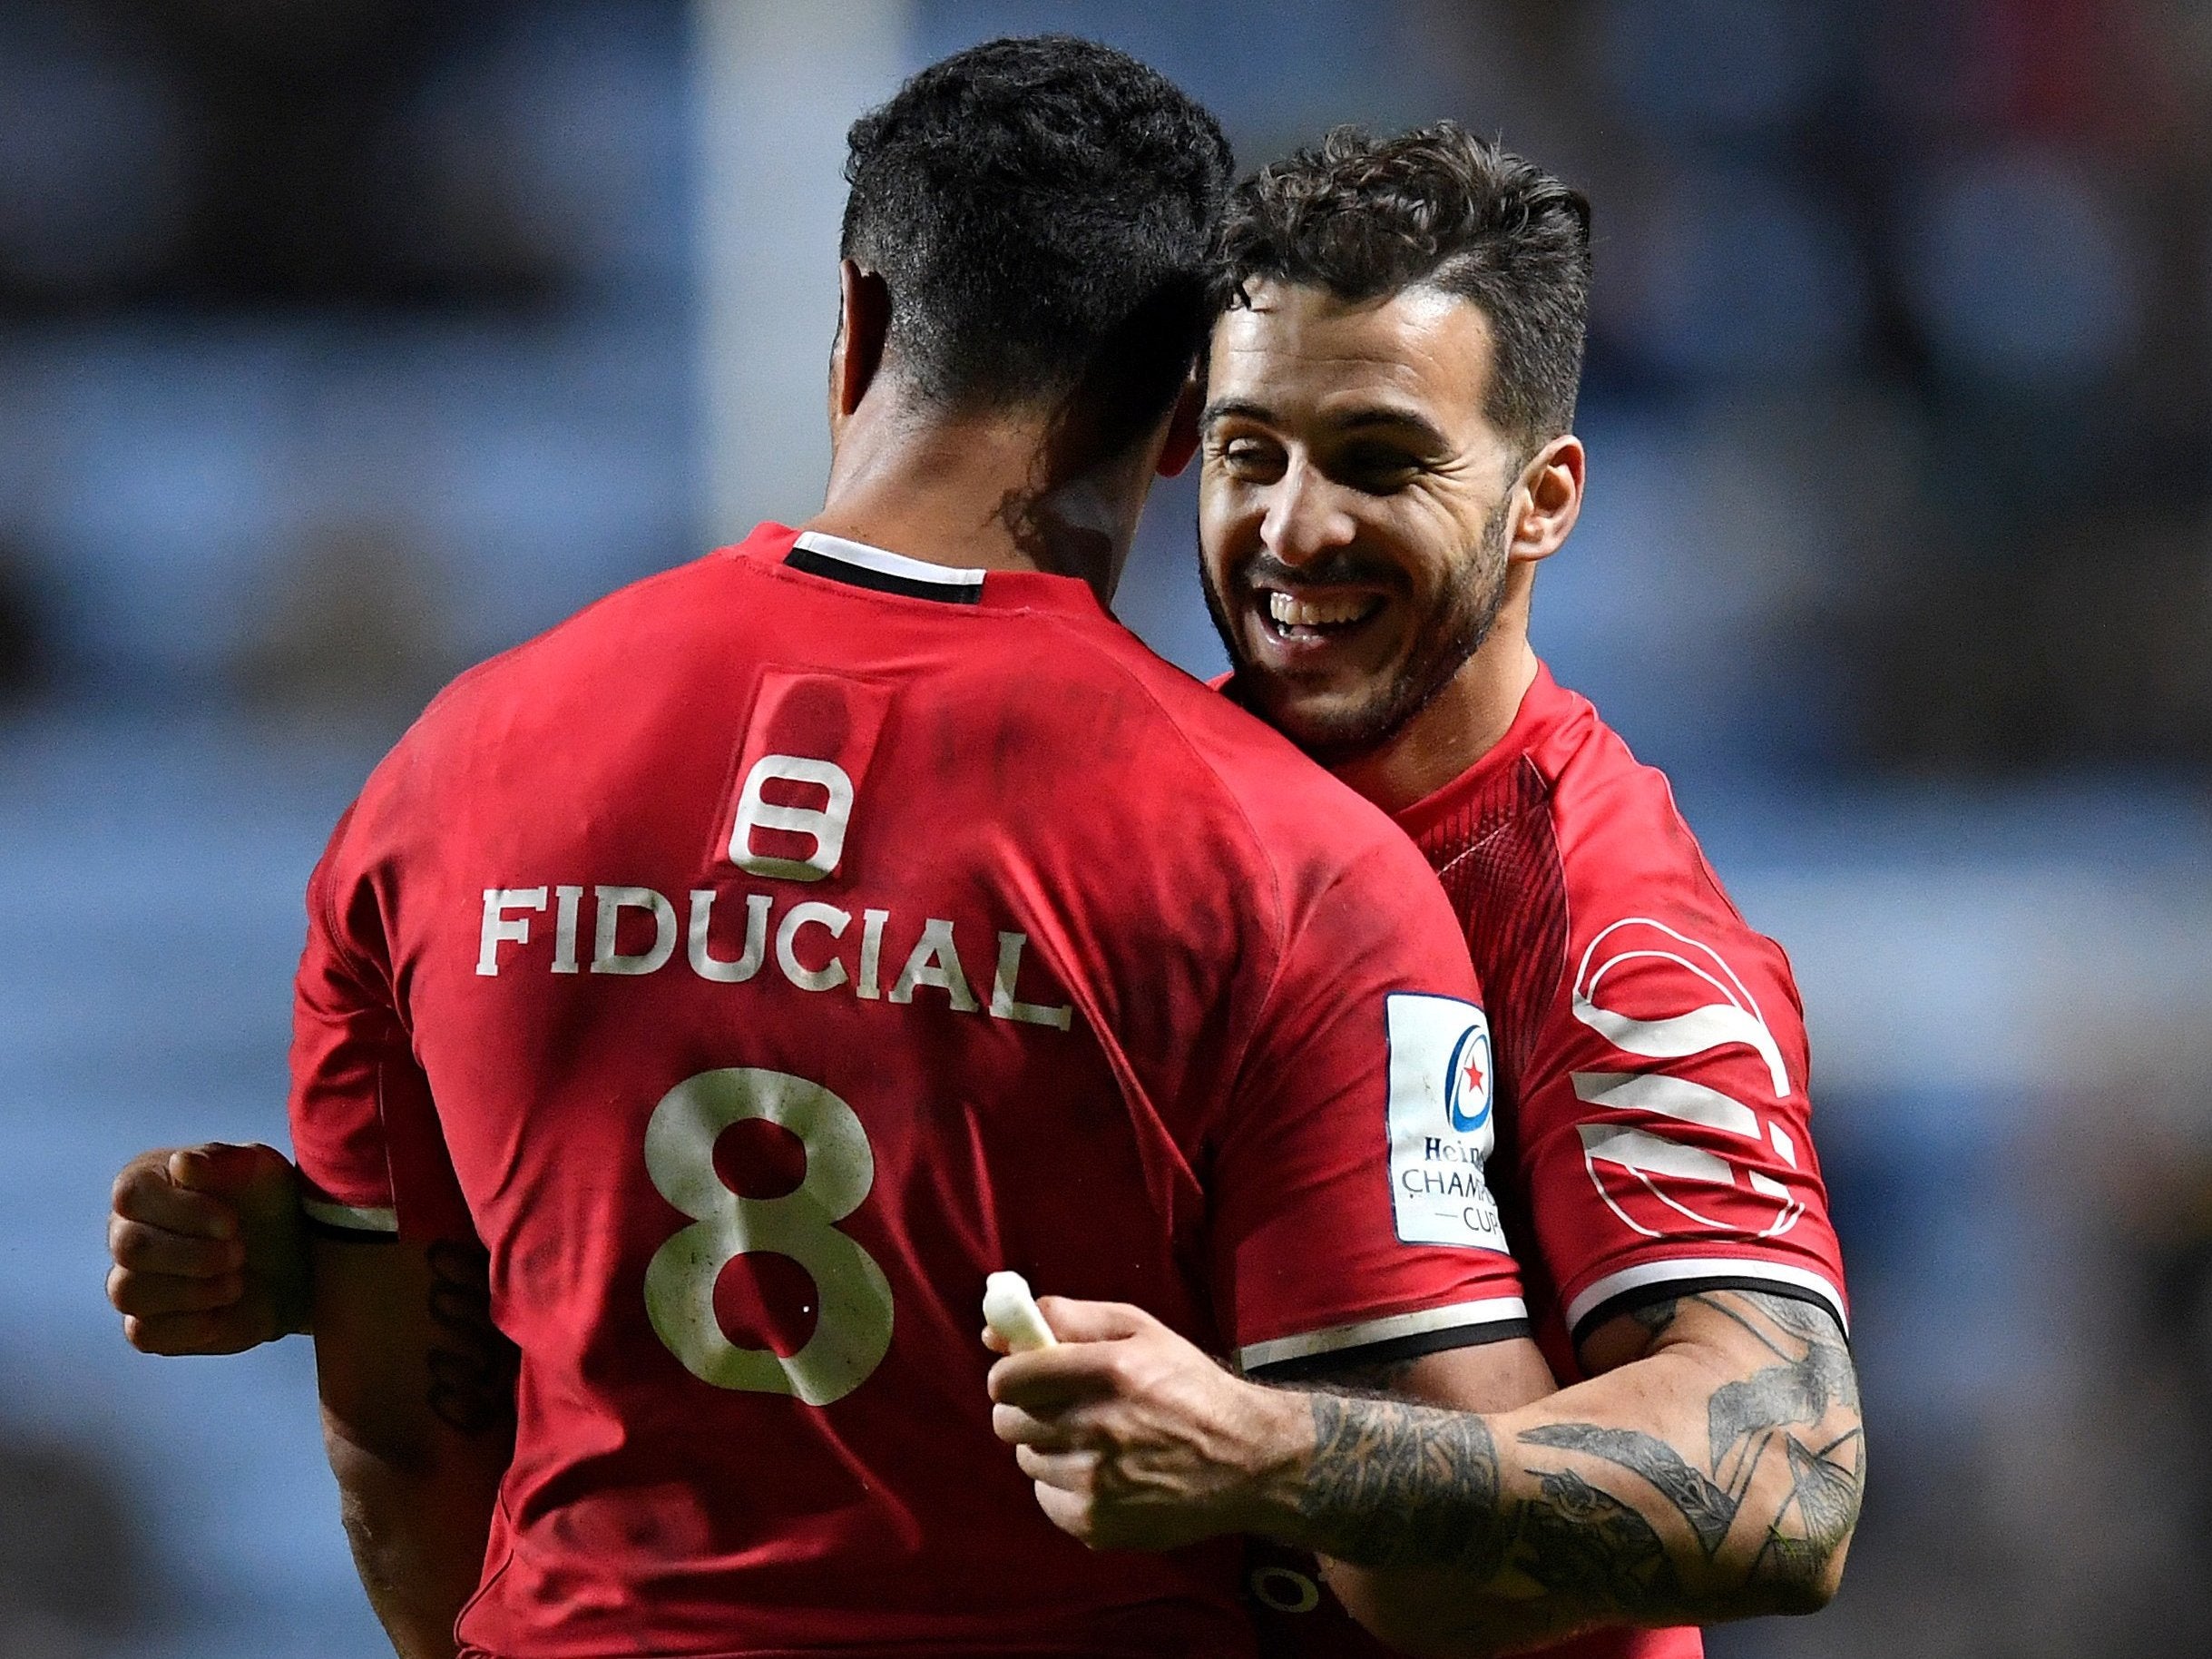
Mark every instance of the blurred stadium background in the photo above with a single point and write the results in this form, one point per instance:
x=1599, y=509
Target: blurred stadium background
x=344, y=341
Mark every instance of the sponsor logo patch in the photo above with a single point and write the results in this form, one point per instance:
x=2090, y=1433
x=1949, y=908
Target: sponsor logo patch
x=1441, y=1123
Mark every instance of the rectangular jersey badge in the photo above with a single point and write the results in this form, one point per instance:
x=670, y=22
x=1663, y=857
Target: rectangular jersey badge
x=1441, y=1127
x=796, y=787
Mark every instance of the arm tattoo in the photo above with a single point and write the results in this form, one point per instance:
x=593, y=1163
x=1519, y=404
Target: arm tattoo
x=471, y=1374
x=1757, y=1527
x=1825, y=1494
x=1709, y=1510
x=1414, y=1485
x=1813, y=1386
x=1586, y=1545
x=1766, y=1399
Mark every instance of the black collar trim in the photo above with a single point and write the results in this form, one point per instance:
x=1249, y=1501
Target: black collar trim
x=859, y=565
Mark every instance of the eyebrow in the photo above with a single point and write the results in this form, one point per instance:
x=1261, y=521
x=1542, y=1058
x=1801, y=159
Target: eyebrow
x=1404, y=420
x=1357, y=420
x=1215, y=413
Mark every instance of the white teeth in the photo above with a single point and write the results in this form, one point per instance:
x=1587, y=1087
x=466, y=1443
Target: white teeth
x=1291, y=612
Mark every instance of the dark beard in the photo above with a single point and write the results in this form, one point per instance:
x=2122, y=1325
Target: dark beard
x=1451, y=634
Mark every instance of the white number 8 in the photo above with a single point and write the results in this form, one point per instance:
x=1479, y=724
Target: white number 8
x=852, y=1329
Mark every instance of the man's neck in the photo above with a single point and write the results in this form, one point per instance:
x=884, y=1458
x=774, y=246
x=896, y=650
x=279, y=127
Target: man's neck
x=1460, y=725
x=965, y=493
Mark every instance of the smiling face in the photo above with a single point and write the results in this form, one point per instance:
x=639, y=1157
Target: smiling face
x=1353, y=508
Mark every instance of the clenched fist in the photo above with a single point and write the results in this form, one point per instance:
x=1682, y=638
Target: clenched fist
x=210, y=1256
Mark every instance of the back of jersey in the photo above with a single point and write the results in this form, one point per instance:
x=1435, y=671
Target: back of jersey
x=785, y=944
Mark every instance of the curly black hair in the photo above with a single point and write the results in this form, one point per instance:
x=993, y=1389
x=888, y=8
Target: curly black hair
x=1433, y=208
x=1043, y=211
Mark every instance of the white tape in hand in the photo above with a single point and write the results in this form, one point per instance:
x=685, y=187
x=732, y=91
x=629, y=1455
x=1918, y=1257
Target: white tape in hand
x=1011, y=1311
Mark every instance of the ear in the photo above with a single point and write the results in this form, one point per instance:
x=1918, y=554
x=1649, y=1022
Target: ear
x=1550, y=491
x=1183, y=440
x=863, y=324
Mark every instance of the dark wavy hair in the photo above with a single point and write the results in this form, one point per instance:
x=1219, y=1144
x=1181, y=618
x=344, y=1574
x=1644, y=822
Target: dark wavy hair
x=1043, y=211
x=1433, y=208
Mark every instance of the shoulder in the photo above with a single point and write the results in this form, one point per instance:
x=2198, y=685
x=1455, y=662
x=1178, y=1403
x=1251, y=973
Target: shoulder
x=622, y=641
x=1623, y=841
x=1656, y=948
x=1257, y=793
x=618, y=628
x=536, y=696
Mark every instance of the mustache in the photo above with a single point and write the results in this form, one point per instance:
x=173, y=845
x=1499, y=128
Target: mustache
x=1344, y=569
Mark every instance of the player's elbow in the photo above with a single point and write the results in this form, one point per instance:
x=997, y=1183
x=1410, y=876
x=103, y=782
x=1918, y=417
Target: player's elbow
x=1796, y=1574
x=1793, y=1527
x=366, y=1445
x=1811, y=1583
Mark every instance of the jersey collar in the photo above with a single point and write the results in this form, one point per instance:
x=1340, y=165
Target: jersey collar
x=858, y=564
x=812, y=553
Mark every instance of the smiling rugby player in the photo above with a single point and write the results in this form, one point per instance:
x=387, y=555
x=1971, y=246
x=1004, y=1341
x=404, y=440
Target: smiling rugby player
x=1389, y=458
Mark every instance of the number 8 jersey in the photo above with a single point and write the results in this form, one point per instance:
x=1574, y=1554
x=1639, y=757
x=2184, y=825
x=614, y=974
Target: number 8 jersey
x=759, y=960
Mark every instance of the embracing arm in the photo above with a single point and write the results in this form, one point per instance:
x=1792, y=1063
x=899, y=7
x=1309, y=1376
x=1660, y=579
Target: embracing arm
x=418, y=1400
x=1713, y=1473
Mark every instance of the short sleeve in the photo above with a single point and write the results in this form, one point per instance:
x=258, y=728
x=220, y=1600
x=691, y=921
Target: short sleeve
x=1352, y=1218
x=1667, y=1133
x=365, y=1132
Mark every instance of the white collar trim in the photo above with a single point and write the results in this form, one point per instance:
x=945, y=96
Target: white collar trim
x=887, y=564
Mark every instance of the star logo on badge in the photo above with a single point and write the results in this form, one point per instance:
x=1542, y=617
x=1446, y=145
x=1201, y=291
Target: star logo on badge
x=1466, y=1080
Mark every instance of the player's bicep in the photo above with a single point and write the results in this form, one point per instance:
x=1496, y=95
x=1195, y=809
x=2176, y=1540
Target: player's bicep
x=408, y=1361
x=1488, y=1377
x=1738, y=1332
x=418, y=1418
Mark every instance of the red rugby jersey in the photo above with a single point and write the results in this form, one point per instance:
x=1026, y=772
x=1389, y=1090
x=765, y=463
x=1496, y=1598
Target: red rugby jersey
x=789, y=940
x=1654, y=1131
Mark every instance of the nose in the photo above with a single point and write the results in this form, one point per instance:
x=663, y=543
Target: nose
x=1305, y=519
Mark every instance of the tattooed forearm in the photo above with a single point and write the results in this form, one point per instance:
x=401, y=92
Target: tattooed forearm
x=1709, y=1510
x=1588, y=1550
x=1725, y=1482
x=471, y=1372
x=1782, y=1445
x=1394, y=1484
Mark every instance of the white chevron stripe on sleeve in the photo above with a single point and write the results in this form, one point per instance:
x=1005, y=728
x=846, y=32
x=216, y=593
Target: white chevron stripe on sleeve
x=1675, y=1097
x=1653, y=1154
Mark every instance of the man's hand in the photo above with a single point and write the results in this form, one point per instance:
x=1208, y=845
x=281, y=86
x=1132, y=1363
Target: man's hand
x=1135, y=1439
x=209, y=1254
